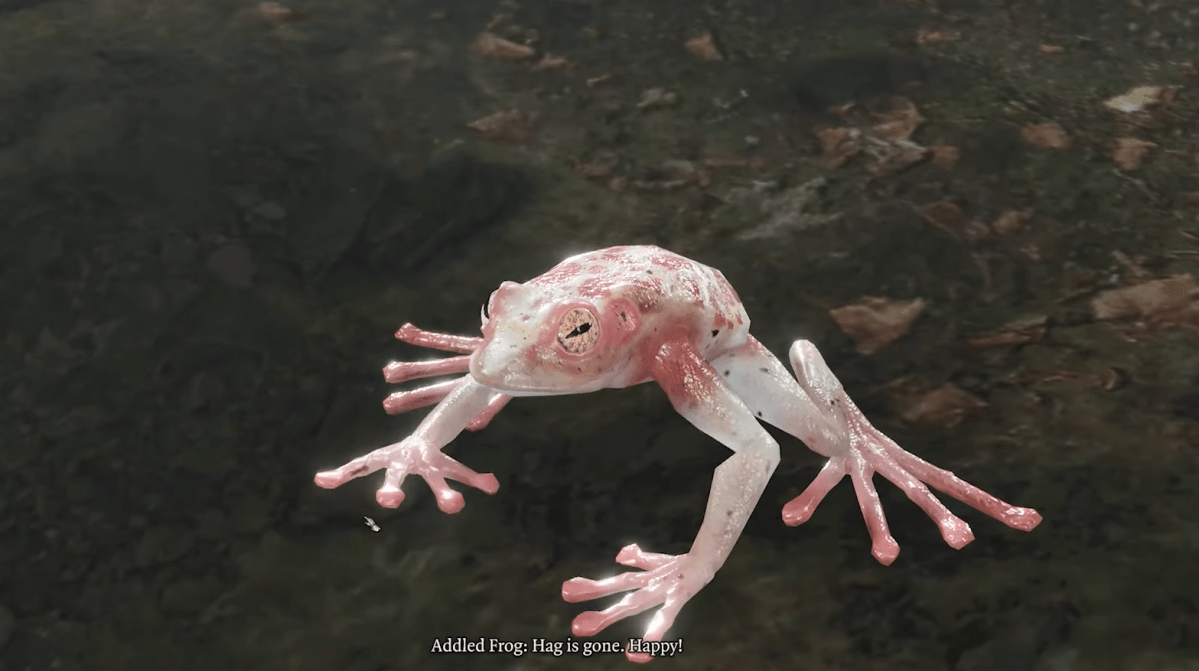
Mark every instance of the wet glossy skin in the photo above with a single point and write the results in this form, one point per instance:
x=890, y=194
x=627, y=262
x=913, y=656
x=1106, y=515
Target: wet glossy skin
x=625, y=315
x=638, y=298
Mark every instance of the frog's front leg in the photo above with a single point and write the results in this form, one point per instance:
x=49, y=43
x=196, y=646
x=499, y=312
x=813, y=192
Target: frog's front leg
x=421, y=453
x=402, y=371
x=817, y=410
x=700, y=395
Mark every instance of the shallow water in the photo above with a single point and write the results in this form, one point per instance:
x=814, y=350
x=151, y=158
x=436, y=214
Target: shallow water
x=215, y=216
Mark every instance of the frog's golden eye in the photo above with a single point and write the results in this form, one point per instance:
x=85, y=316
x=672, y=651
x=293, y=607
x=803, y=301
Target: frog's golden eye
x=578, y=331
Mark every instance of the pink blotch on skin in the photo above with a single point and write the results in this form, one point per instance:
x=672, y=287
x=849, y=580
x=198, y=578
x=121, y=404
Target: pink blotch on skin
x=727, y=298
x=595, y=287
x=557, y=275
x=672, y=263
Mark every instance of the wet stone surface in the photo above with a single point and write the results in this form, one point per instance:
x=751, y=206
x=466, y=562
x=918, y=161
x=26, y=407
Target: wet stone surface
x=214, y=216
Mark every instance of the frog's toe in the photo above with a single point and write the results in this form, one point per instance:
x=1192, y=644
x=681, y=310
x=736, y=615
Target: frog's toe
x=1024, y=519
x=355, y=468
x=586, y=589
x=592, y=622
x=389, y=496
x=799, y=509
x=916, y=469
x=956, y=532
x=633, y=555
x=445, y=466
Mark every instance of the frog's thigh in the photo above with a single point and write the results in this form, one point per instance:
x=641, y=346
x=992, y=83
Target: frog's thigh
x=766, y=386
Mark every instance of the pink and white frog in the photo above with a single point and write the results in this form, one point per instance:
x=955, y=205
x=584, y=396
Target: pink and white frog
x=621, y=316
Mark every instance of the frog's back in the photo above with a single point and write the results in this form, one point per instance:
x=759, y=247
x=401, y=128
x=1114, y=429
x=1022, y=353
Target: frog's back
x=668, y=289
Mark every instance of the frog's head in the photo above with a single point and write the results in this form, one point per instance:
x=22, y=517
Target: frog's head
x=538, y=341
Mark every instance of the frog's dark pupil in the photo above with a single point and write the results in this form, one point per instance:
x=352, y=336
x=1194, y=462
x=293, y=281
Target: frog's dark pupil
x=579, y=330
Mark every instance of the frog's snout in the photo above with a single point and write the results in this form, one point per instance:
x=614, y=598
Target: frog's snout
x=483, y=365
x=495, y=365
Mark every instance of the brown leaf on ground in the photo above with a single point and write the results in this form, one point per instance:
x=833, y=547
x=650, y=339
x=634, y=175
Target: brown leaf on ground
x=596, y=169
x=945, y=215
x=1020, y=332
x=513, y=126
x=945, y=156
x=1173, y=300
x=1134, y=269
x=657, y=98
x=600, y=80
x=874, y=323
x=551, y=62
x=931, y=36
x=277, y=13
x=1129, y=152
x=494, y=46
x=1137, y=99
x=704, y=48
x=836, y=147
x=902, y=156
x=942, y=407
x=881, y=131
x=1049, y=135
x=895, y=120
x=1051, y=49
x=1011, y=222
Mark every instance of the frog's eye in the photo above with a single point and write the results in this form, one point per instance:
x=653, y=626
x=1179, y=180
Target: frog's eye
x=485, y=311
x=578, y=331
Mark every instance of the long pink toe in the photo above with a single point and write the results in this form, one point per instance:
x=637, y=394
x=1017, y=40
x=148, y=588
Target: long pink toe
x=450, y=501
x=885, y=551
x=638, y=657
x=588, y=623
x=488, y=483
x=327, y=480
x=580, y=589
x=796, y=513
x=1024, y=519
x=389, y=497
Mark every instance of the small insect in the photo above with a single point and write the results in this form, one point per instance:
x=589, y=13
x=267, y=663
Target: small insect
x=371, y=523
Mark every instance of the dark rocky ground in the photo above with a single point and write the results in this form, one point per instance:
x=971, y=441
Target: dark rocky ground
x=213, y=217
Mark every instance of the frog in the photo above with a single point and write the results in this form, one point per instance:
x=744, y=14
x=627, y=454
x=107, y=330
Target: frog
x=627, y=315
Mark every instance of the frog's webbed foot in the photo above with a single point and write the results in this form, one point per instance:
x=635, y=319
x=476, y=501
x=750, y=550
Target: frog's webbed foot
x=411, y=455
x=666, y=580
x=862, y=450
x=402, y=371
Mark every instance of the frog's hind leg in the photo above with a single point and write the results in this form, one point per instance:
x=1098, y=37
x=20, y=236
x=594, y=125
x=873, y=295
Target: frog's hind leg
x=816, y=409
x=774, y=396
